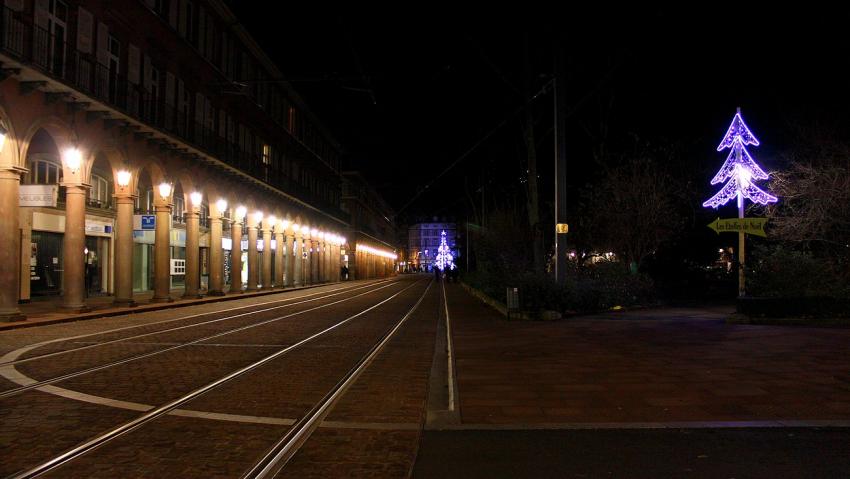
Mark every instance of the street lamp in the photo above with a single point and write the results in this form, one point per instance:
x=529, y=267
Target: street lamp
x=196, y=198
x=221, y=204
x=295, y=228
x=284, y=224
x=164, y=190
x=123, y=178
x=73, y=159
x=314, y=233
x=240, y=213
x=305, y=230
x=258, y=217
x=272, y=220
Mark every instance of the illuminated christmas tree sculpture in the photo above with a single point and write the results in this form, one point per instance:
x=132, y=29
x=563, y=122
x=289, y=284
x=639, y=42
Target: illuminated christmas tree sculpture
x=444, y=259
x=740, y=170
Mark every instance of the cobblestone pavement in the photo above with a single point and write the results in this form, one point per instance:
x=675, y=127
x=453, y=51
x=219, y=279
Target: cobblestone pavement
x=679, y=367
x=256, y=407
x=647, y=366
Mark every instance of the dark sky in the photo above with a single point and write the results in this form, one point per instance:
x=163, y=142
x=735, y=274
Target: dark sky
x=408, y=92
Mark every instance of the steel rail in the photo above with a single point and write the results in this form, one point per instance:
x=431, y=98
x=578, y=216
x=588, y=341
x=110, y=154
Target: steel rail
x=82, y=372
x=286, y=447
x=159, y=411
x=336, y=292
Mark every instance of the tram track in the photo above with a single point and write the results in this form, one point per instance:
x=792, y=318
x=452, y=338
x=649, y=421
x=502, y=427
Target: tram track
x=11, y=358
x=9, y=372
x=287, y=446
x=97, y=441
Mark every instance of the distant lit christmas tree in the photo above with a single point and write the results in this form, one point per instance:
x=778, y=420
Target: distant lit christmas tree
x=444, y=259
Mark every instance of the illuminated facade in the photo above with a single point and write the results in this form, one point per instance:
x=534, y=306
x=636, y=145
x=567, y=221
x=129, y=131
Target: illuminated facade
x=423, y=243
x=133, y=132
x=372, y=231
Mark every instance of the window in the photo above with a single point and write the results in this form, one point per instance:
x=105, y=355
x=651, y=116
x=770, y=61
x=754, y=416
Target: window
x=267, y=155
x=178, y=209
x=43, y=172
x=99, y=193
x=114, y=56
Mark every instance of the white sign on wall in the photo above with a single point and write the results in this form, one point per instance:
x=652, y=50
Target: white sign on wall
x=38, y=195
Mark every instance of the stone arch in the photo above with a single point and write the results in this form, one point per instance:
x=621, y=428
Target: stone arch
x=58, y=130
x=10, y=152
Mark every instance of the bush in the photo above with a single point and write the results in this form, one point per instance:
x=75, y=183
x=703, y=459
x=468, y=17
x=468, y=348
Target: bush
x=781, y=272
x=587, y=288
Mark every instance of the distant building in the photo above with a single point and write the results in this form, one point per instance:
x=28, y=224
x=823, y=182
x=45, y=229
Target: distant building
x=372, y=232
x=423, y=239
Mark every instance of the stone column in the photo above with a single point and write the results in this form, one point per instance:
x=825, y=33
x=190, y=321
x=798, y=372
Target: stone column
x=216, y=253
x=236, y=254
x=314, y=261
x=253, y=256
x=281, y=249
x=308, y=261
x=124, y=249
x=326, y=278
x=297, y=263
x=193, y=268
x=289, y=260
x=162, y=254
x=73, y=246
x=10, y=180
x=267, y=256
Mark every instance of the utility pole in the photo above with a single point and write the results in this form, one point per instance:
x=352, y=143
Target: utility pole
x=560, y=164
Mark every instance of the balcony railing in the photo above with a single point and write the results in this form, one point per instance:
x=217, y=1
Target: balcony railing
x=30, y=44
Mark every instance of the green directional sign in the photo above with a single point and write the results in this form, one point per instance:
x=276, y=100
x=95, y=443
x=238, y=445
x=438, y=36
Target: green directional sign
x=750, y=226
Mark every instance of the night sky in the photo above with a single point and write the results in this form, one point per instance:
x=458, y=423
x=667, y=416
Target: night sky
x=407, y=92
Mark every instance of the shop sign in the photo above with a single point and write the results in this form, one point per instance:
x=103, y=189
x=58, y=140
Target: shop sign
x=38, y=195
x=144, y=222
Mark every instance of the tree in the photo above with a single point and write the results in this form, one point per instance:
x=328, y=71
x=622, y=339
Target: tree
x=633, y=209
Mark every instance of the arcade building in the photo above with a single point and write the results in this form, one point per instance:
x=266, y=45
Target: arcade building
x=152, y=146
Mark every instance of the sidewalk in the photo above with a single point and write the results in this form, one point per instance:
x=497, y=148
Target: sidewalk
x=48, y=310
x=658, y=367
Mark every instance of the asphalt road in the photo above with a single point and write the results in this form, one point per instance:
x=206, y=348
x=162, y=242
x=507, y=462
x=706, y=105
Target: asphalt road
x=636, y=453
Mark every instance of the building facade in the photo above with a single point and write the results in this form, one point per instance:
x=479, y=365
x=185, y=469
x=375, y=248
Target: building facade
x=375, y=252
x=152, y=145
x=423, y=240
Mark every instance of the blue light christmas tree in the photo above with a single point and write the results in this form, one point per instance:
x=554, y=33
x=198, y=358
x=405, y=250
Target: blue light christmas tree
x=740, y=170
x=444, y=259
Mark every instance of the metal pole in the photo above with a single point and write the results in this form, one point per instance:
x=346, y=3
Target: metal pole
x=741, y=288
x=560, y=162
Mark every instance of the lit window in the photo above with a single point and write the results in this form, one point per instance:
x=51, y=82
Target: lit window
x=267, y=155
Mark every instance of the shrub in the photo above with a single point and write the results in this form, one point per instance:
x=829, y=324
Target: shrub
x=783, y=272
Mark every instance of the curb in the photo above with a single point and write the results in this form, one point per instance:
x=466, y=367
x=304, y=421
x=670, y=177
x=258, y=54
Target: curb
x=154, y=307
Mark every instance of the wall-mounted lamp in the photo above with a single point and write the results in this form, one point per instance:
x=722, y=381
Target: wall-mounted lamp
x=164, y=190
x=221, y=204
x=73, y=158
x=196, y=198
x=240, y=213
x=123, y=178
x=3, y=133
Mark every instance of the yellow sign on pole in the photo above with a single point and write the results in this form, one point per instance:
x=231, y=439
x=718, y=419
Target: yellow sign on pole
x=750, y=226
x=562, y=228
